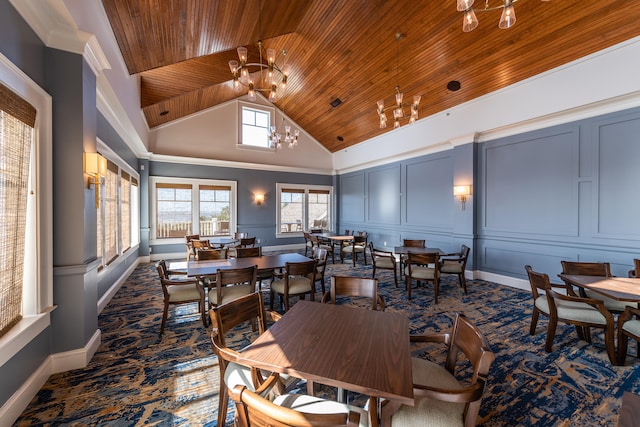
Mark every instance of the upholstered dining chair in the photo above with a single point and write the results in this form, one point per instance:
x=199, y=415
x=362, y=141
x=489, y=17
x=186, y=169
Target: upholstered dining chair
x=198, y=244
x=248, y=252
x=243, y=242
x=583, y=313
x=320, y=254
x=228, y=317
x=442, y=396
x=231, y=284
x=178, y=291
x=383, y=260
x=628, y=327
x=354, y=247
x=349, y=286
x=422, y=267
x=308, y=242
x=298, y=279
x=188, y=238
x=211, y=254
x=594, y=269
x=411, y=243
x=456, y=263
x=326, y=244
x=292, y=410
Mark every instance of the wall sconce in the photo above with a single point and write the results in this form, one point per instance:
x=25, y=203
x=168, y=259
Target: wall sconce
x=95, y=166
x=259, y=198
x=462, y=191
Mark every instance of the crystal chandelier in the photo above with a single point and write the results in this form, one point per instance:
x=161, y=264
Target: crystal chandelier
x=470, y=20
x=398, y=108
x=288, y=137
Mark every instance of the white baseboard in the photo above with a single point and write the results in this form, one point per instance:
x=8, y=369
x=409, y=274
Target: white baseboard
x=55, y=363
x=503, y=280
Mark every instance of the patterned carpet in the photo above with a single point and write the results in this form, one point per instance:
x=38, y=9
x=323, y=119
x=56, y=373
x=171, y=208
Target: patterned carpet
x=137, y=379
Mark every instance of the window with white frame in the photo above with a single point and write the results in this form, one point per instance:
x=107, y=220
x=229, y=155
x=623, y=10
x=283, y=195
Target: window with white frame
x=255, y=125
x=118, y=213
x=302, y=207
x=183, y=206
x=26, y=210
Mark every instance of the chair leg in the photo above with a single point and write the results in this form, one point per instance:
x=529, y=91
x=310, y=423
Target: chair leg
x=204, y=314
x=165, y=314
x=395, y=277
x=534, y=321
x=551, y=332
x=463, y=282
x=436, y=286
x=610, y=344
x=622, y=348
x=223, y=402
x=354, y=255
x=271, y=298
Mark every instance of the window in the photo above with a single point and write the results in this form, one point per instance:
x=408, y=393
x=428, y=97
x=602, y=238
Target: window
x=255, y=127
x=21, y=98
x=303, y=207
x=191, y=206
x=17, y=120
x=118, y=215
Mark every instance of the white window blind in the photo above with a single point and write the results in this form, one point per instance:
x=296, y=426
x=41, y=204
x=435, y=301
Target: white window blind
x=125, y=211
x=111, y=213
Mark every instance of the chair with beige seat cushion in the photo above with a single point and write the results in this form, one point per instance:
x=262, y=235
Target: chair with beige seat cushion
x=354, y=247
x=320, y=254
x=636, y=269
x=442, y=396
x=293, y=410
x=602, y=269
x=410, y=243
x=188, y=238
x=233, y=283
x=456, y=263
x=422, y=267
x=383, y=260
x=349, y=286
x=176, y=291
x=298, y=280
x=583, y=313
x=228, y=318
x=628, y=327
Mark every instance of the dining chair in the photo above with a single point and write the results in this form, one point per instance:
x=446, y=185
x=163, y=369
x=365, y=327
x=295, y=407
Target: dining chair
x=308, y=242
x=293, y=410
x=211, y=254
x=188, y=238
x=243, y=242
x=383, y=260
x=176, y=291
x=636, y=269
x=449, y=394
x=411, y=243
x=320, y=254
x=602, y=269
x=198, y=244
x=326, y=244
x=349, y=286
x=422, y=267
x=456, y=263
x=628, y=327
x=232, y=283
x=298, y=280
x=583, y=313
x=354, y=247
x=230, y=317
x=247, y=252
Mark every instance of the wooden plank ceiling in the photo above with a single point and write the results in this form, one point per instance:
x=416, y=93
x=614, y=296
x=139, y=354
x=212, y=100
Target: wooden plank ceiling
x=347, y=49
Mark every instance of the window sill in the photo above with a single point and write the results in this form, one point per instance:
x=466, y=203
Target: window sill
x=22, y=334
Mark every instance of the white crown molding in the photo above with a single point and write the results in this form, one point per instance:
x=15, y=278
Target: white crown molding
x=53, y=24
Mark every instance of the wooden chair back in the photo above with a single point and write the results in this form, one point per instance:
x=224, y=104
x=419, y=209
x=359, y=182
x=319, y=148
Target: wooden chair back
x=586, y=268
x=211, y=254
x=254, y=251
x=636, y=271
x=247, y=242
x=539, y=282
x=415, y=258
x=198, y=244
x=320, y=255
x=413, y=243
x=355, y=287
x=253, y=410
x=240, y=235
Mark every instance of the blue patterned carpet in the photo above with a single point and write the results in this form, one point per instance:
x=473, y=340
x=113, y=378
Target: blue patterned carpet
x=137, y=379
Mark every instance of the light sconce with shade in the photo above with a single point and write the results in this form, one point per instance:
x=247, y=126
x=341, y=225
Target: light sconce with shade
x=259, y=198
x=96, y=167
x=470, y=20
x=462, y=191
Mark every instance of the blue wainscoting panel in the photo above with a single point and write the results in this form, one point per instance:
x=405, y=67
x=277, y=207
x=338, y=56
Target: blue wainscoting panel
x=383, y=195
x=428, y=192
x=352, y=196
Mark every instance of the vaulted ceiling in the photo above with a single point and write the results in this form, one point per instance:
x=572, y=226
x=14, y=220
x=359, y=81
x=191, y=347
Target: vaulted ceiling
x=348, y=50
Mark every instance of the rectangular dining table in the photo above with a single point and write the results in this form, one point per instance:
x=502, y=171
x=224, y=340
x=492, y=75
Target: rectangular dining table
x=265, y=262
x=403, y=250
x=617, y=288
x=352, y=348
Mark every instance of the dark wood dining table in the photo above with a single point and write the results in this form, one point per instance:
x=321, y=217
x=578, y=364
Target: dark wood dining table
x=617, y=288
x=352, y=348
x=334, y=237
x=403, y=250
x=265, y=262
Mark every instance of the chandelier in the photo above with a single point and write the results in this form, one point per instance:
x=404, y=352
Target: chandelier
x=277, y=138
x=470, y=20
x=398, y=108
